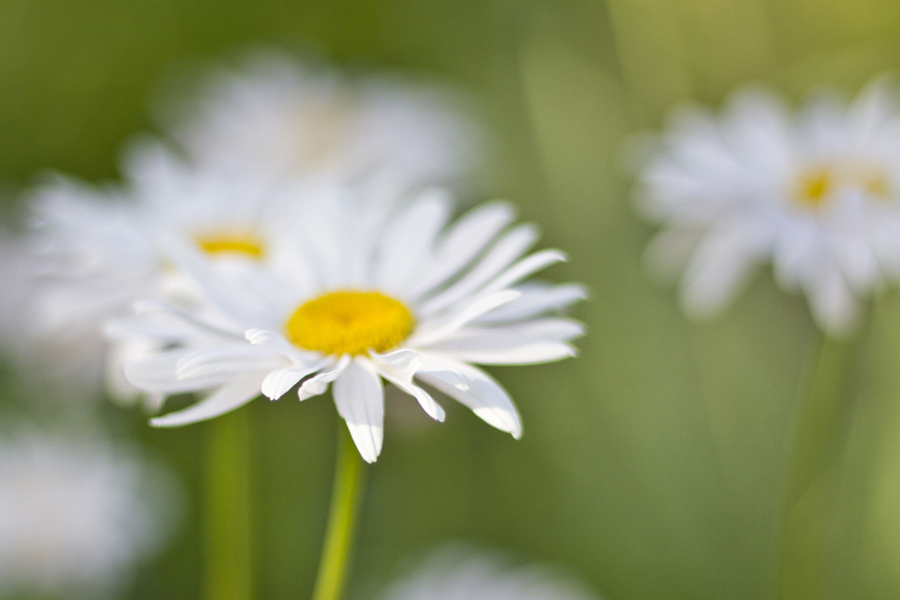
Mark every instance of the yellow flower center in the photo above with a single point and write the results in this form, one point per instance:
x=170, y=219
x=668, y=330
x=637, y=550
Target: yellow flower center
x=814, y=188
x=231, y=243
x=350, y=322
x=818, y=185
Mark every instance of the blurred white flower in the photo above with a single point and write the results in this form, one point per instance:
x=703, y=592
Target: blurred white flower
x=52, y=306
x=94, y=252
x=457, y=574
x=354, y=306
x=278, y=119
x=816, y=193
x=76, y=515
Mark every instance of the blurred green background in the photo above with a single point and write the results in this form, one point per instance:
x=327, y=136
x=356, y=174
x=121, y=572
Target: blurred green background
x=652, y=465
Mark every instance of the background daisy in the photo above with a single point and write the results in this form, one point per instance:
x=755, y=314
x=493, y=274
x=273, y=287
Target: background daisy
x=276, y=118
x=77, y=515
x=814, y=193
x=458, y=573
x=93, y=252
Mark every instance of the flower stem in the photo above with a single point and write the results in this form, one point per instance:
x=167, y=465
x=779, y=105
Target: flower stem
x=345, y=497
x=228, y=534
x=819, y=431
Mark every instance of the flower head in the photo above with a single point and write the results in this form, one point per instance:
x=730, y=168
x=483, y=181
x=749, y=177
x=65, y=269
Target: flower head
x=816, y=193
x=454, y=573
x=416, y=301
x=94, y=252
x=75, y=515
x=276, y=119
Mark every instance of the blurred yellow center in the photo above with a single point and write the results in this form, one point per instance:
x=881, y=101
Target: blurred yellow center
x=876, y=184
x=350, y=322
x=817, y=186
x=814, y=188
x=227, y=243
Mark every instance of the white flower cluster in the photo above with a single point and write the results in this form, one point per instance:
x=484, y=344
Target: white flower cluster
x=815, y=193
x=75, y=515
x=293, y=238
x=455, y=573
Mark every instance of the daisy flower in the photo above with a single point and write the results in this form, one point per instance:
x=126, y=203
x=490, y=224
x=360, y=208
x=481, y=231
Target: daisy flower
x=93, y=252
x=76, y=515
x=80, y=265
x=276, y=118
x=815, y=192
x=457, y=574
x=416, y=301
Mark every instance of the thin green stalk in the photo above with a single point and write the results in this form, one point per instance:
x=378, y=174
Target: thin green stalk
x=345, y=498
x=228, y=533
x=819, y=431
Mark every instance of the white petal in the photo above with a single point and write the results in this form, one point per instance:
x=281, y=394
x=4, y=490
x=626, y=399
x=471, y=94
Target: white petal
x=520, y=344
x=873, y=109
x=402, y=363
x=157, y=374
x=536, y=299
x=247, y=305
x=797, y=254
x=758, y=128
x=440, y=329
x=524, y=268
x=721, y=264
x=278, y=343
x=833, y=304
x=858, y=262
x=317, y=384
x=506, y=250
x=322, y=240
x=551, y=328
x=171, y=331
x=230, y=396
x=668, y=253
x=399, y=367
x=506, y=350
x=473, y=388
x=279, y=382
x=359, y=397
x=149, y=307
x=293, y=265
x=227, y=360
x=409, y=237
x=468, y=237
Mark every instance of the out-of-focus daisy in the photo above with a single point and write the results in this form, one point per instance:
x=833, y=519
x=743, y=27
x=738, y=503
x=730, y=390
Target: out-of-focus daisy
x=279, y=119
x=76, y=515
x=94, y=252
x=416, y=299
x=53, y=302
x=816, y=193
x=457, y=574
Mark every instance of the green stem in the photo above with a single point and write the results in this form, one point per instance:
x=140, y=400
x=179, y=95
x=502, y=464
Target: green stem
x=228, y=532
x=345, y=497
x=820, y=427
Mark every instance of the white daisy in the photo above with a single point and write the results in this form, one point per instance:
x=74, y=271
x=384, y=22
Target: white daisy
x=415, y=300
x=76, y=515
x=279, y=119
x=457, y=574
x=97, y=251
x=54, y=301
x=816, y=193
